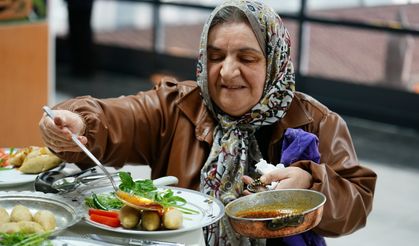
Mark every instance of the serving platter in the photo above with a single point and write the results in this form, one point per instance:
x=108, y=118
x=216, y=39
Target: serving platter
x=210, y=210
x=66, y=212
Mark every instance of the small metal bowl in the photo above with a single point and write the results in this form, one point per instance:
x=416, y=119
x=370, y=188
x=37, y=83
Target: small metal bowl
x=276, y=213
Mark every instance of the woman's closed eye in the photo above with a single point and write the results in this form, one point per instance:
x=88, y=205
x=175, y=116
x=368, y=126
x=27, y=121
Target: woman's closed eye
x=248, y=59
x=241, y=58
x=214, y=57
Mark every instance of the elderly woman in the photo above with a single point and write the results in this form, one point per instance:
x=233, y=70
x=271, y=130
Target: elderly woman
x=211, y=133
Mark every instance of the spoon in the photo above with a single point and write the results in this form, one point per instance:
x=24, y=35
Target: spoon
x=50, y=114
x=129, y=199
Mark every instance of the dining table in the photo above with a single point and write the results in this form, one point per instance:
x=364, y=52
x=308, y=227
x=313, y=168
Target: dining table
x=82, y=229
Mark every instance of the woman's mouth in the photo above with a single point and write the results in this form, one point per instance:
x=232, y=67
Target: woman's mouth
x=232, y=87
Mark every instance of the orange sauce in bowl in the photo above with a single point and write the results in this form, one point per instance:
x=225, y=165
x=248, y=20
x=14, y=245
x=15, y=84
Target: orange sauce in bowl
x=261, y=213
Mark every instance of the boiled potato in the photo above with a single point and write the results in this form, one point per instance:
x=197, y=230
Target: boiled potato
x=20, y=213
x=29, y=227
x=10, y=227
x=4, y=216
x=172, y=218
x=46, y=219
x=129, y=217
x=150, y=220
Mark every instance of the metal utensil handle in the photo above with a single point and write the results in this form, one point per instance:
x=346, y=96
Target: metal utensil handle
x=50, y=114
x=153, y=242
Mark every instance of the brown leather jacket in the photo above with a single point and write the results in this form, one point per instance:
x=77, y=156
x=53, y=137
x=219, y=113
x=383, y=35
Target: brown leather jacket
x=170, y=129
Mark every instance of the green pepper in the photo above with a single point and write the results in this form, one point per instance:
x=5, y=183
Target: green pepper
x=98, y=204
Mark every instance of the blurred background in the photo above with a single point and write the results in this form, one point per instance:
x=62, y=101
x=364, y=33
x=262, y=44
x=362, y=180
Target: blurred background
x=359, y=57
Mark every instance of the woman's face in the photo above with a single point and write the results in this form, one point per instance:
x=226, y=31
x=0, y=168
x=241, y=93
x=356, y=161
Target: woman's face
x=236, y=68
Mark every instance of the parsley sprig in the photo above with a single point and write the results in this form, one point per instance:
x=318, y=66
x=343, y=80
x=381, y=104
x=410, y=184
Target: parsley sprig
x=22, y=239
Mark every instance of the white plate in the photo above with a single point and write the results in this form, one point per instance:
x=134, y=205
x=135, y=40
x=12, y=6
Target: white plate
x=210, y=211
x=14, y=177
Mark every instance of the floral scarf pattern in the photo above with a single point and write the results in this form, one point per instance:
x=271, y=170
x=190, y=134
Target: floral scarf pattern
x=235, y=147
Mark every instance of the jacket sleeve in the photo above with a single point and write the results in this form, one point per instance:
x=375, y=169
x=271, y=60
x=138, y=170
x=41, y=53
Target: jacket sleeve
x=124, y=129
x=348, y=186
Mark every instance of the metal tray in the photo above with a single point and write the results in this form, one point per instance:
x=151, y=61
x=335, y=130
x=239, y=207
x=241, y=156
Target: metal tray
x=67, y=212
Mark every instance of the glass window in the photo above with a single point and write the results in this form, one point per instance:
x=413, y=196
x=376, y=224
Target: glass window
x=125, y=24
x=363, y=56
x=181, y=30
x=375, y=12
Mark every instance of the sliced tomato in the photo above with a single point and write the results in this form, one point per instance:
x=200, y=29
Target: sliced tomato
x=112, y=214
x=4, y=158
x=105, y=220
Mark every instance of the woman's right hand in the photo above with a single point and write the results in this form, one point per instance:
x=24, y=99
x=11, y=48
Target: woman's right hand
x=56, y=133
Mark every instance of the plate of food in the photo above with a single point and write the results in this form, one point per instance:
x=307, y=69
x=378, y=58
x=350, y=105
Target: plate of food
x=36, y=212
x=181, y=209
x=22, y=166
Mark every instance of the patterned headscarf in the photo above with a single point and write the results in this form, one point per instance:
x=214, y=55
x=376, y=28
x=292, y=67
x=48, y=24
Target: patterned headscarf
x=235, y=147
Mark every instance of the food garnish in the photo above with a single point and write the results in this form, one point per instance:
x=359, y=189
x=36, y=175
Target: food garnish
x=103, y=201
x=22, y=239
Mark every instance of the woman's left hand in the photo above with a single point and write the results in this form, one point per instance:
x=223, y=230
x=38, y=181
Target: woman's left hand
x=288, y=178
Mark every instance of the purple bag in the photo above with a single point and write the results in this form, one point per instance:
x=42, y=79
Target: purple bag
x=297, y=145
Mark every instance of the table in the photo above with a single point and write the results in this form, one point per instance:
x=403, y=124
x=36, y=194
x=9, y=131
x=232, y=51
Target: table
x=193, y=238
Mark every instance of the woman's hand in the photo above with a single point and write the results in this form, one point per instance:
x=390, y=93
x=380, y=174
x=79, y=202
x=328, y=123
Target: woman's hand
x=57, y=133
x=246, y=180
x=288, y=178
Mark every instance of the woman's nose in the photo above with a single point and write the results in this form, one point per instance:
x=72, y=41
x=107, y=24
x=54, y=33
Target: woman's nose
x=229, y=69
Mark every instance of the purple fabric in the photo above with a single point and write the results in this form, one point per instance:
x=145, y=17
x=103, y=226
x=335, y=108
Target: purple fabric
x=297, y=145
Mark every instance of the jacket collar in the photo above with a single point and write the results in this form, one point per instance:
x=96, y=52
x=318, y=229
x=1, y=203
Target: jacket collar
x=296, y=116
x=191, y=104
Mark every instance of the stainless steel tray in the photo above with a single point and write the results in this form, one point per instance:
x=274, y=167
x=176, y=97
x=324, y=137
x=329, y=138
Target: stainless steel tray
x=67, y=212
